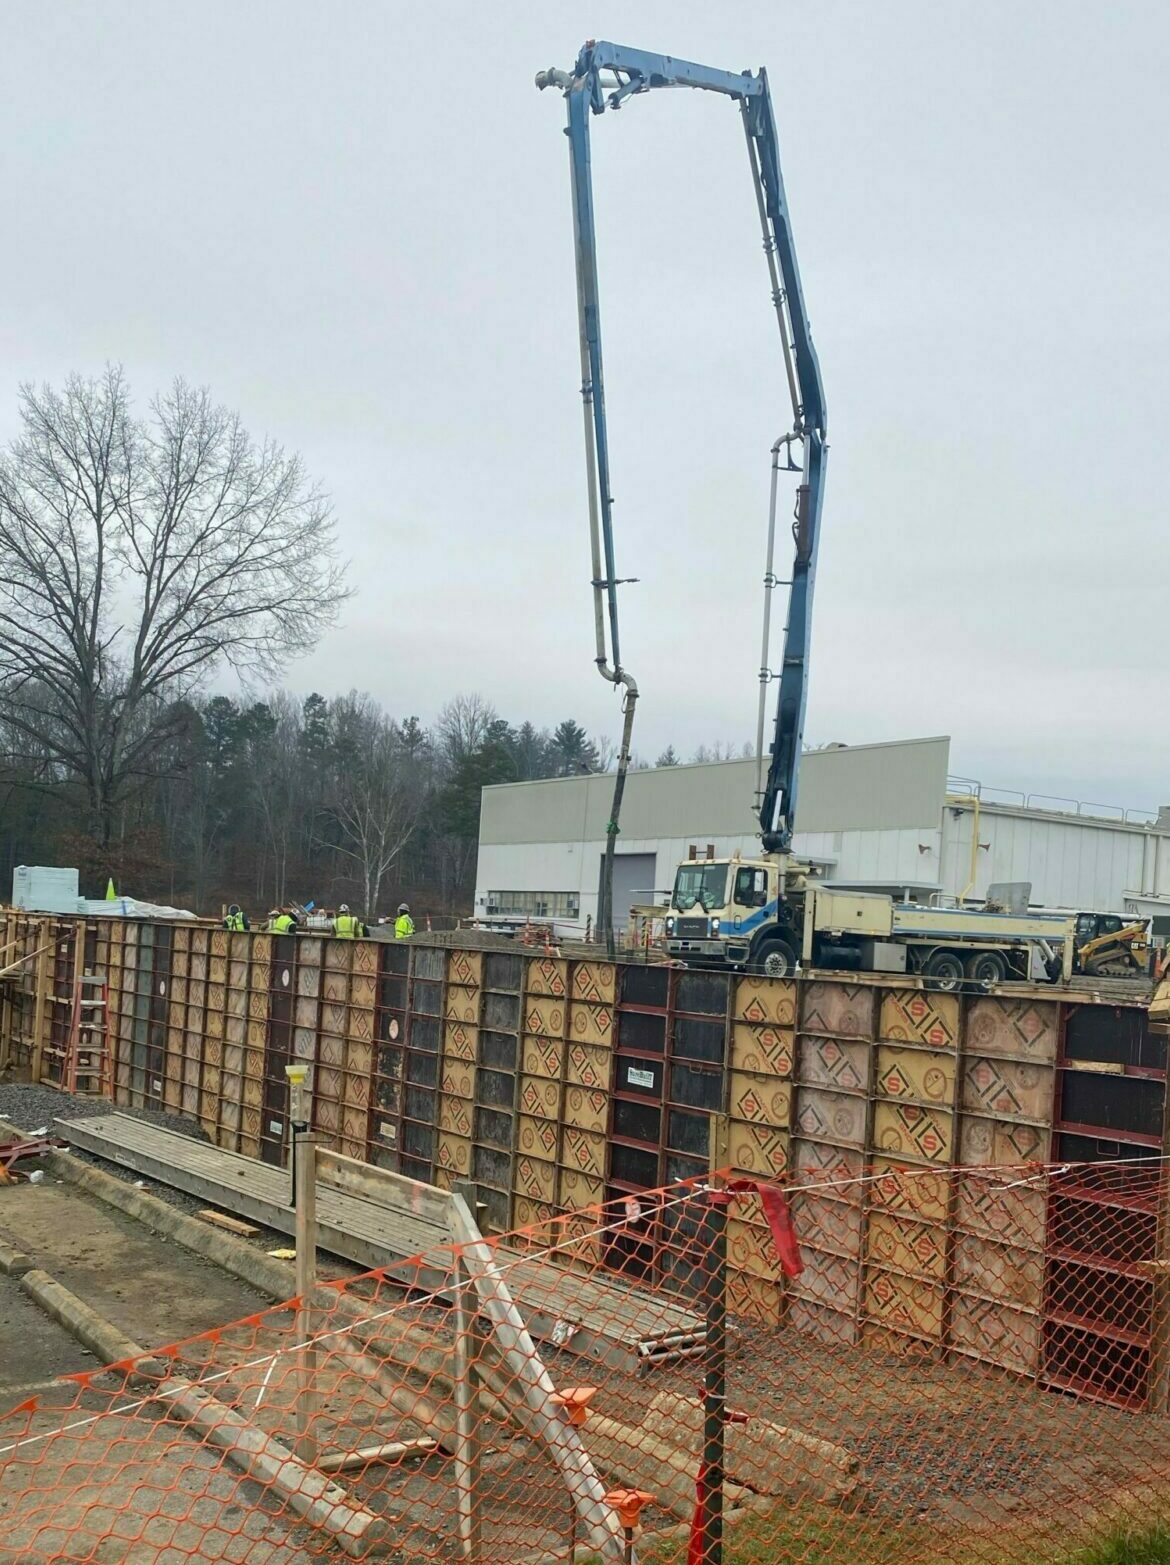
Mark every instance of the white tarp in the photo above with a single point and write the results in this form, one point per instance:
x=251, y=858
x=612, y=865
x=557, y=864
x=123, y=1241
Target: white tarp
x=128, y=907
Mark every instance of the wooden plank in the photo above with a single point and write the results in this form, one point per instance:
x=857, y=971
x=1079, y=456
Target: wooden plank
x=589, y=1302
x=468, y=1450
x=613, y=1318
x=42, y=987
x=264, y=1199
x=7, y=1051
x=380, y=1185
x=610, y=1292
x=232, y=1224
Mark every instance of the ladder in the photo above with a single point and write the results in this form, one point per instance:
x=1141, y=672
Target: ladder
x=87, y=1055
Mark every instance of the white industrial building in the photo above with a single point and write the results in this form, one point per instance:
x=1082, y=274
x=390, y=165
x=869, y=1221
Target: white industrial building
x=886, y=817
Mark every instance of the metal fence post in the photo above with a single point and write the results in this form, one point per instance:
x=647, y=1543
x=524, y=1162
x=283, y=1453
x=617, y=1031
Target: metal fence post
x=710, y=1484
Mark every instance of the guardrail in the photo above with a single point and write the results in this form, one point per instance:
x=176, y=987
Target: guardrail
x=1052, y=804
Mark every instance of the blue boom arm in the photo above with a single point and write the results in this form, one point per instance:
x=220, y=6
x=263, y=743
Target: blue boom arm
x=604, y=76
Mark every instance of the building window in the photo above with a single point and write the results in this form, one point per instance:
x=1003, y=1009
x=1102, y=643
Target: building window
x=534, y=904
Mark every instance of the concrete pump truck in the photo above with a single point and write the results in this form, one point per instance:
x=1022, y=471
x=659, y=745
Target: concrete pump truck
x=767, y=912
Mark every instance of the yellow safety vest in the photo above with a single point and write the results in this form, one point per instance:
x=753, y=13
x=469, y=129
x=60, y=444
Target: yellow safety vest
x=234, y=921
x=403, y=926
x=346, y=926
x=281, y=925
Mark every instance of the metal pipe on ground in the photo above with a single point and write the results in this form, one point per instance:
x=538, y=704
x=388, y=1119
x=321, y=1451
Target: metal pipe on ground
x=258, y=1455
x=392, y=1452
x=308, y=1493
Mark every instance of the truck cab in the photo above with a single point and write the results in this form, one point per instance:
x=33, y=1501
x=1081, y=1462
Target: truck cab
x=735, y=912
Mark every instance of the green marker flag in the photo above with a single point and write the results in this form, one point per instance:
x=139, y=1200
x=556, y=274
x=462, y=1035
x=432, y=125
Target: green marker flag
x=111, y=894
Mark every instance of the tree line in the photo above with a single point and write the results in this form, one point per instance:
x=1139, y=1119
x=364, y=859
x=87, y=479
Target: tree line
x=265, y=801
x=147, y=556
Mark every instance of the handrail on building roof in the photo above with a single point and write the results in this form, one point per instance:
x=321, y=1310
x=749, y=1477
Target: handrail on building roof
x=1051, y=804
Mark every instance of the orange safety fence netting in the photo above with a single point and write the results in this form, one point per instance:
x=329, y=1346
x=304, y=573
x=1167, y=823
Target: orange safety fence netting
x=961, y=1365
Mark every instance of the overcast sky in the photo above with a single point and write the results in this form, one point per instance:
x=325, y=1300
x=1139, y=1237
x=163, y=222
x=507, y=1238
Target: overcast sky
x=352, y=222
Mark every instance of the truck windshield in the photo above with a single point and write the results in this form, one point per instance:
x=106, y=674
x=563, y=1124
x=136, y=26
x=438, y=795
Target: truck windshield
x=705, y=884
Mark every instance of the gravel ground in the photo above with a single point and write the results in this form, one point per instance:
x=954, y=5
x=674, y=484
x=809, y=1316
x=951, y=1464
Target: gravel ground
x=35, y=1108
x=30, y=1108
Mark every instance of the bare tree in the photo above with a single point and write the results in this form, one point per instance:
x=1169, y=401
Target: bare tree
x=137, y=556
x=378, y=796
x=721, y=750
x=464, y=724
x=607, y=750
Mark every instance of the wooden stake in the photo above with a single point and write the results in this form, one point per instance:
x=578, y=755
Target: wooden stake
x=532, y=1386
x=42, y=983
x=306, y=1273
x=5, y=1007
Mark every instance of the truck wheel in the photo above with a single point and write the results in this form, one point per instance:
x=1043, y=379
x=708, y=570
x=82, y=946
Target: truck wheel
x=986, y=967
x=775, y=959
x=943, y=970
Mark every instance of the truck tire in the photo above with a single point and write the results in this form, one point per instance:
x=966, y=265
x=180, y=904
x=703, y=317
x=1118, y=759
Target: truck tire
x=775, y=959
x=986, y=967
x=943, y=971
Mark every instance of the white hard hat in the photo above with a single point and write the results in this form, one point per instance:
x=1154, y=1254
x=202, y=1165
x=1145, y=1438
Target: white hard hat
x=344, y=908
x=404, y=907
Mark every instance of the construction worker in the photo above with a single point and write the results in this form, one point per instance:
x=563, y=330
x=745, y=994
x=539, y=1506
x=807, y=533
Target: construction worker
x=235, y=919
x=346, y=926
x=281, y=923
x=403, y=924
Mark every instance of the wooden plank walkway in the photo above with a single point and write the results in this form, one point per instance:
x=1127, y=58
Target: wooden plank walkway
x=595, y=1314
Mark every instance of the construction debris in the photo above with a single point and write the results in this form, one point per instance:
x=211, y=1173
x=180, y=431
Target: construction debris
x=13, y=1151
x=232, y=1224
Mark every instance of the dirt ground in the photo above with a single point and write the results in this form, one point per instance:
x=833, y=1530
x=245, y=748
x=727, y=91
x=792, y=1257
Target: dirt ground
x=33, y=1348
x=79, y=1496
x=153, y=1290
